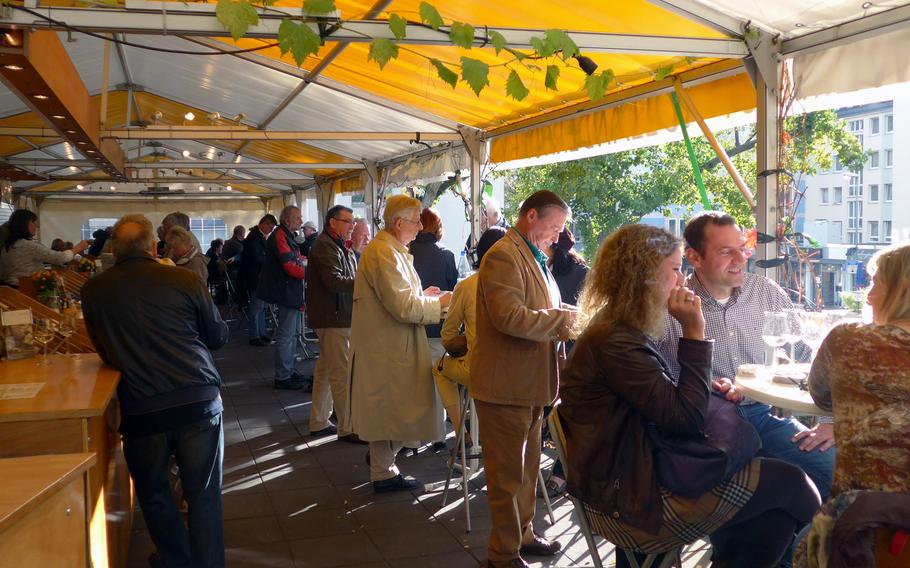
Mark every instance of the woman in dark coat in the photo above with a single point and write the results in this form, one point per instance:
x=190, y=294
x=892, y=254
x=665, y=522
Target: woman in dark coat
x=435, y=264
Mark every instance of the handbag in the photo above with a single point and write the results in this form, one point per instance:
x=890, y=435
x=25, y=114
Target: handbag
x=691, y=466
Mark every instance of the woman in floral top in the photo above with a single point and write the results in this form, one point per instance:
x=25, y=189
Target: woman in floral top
x=863, y=373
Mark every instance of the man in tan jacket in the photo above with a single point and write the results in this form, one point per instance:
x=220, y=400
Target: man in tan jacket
x=514, y=372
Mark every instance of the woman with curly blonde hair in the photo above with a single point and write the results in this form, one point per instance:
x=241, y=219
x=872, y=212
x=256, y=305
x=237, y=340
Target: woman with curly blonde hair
x=617, y=386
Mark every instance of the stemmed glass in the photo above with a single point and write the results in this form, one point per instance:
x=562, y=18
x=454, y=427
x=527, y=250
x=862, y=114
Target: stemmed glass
x=775, y=331
x=815, y=326
x=795, y=331
x=66, y=326
x=43, y=333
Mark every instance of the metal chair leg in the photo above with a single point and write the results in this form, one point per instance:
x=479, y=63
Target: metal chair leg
x=546, y=498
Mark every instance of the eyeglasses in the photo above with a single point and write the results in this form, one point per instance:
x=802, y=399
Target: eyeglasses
x=348, y=221
x=417, y=222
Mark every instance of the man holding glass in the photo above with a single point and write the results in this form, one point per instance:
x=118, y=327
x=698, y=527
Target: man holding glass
x=734, y=303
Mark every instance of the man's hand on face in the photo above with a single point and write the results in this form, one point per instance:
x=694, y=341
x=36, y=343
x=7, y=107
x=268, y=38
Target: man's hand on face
x=820, y=436
x=727, y=388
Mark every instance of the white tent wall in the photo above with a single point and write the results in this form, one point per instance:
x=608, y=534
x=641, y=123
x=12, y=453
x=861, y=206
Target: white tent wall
x=64, y=218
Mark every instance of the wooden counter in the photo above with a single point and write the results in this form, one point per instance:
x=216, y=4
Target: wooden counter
x=43, y=510
x=75, y=411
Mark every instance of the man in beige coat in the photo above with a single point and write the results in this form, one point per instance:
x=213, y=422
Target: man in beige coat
x=393, y=397
x=514, y=372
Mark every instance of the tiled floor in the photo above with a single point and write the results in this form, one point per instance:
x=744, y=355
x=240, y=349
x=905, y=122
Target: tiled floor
x=291, y=500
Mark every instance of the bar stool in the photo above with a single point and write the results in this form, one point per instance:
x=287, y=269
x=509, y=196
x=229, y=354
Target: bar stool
x=470, y=463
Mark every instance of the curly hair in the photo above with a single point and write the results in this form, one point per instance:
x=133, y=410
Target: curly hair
x=619, y=288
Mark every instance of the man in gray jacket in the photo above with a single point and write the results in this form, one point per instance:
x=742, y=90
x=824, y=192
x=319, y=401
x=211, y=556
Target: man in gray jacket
x=329, y=301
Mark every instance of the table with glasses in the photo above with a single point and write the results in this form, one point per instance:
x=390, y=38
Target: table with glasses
x=68, y=406
x=786, y=395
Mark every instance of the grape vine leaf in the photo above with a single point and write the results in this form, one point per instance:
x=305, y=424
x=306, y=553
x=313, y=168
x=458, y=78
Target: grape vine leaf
x=445, y=73
x=430, y=15
x=542, y=46
x=236, y=17
x=515, y=88
x=561, y=42
x=462, y=34
x=475, y=73
x=663, y=72
x=382, y=50
x=497, y=40
x=398, y=25
x=319, y=6
x=598, y=83
x=551, y=77
x=297, y=38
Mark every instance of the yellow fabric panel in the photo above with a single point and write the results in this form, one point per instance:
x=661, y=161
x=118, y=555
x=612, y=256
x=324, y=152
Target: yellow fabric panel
x=724, y=96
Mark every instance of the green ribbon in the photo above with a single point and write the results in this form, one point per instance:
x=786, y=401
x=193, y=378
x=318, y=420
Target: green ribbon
x=696, y=169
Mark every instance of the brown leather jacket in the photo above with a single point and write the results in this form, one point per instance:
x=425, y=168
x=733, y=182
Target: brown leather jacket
x=615, y=383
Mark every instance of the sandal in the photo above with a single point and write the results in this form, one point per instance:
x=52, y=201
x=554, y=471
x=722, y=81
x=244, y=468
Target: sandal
x=556, y=486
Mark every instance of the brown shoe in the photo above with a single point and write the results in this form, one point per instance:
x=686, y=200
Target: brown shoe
x=514, y=563
x=541, y=547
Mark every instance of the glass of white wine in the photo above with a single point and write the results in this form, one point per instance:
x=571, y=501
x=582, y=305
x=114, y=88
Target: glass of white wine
x=66, y=326
x=775, y=331
x=43, y=332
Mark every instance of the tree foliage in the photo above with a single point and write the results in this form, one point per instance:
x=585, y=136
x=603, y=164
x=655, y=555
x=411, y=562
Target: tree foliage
x=606, y=192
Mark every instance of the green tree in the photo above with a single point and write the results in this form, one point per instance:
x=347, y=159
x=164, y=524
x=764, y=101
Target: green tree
x=606, y=192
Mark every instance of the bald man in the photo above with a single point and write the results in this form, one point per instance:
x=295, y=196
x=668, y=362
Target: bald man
x=156, y=325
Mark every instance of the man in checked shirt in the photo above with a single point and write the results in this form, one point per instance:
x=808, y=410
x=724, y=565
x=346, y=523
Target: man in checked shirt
x=734, y=303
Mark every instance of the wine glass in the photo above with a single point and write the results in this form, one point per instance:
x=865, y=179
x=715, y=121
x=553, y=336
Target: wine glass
x=67, y=325
x=774, y=333
x=43, y=333
x=815, y=327
x=794, y=332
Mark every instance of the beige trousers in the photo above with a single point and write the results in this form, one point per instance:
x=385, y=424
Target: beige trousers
x=331, y=382
x=511, y=455
x=382, y=459
x=455, y=371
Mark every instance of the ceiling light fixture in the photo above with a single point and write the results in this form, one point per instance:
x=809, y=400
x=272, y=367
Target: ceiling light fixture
x=13, y=67
x=58, y=116
x=201, y=188
x=228, y=188
x=92, y=151
x=867, y=5
x=113, y=188
x=80, y=186
x=189, y=116
x=587, y=64
x=71, y=132
x=186, y=153
x=40, y=97
x=81, y=142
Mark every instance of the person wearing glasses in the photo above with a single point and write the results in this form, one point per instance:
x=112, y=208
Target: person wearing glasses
x=329, y=301
x=393, y=398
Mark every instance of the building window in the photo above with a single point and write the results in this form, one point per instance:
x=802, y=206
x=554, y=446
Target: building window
x=837, y=231
x=838, y=195
x=852, y=238
x=837, y=167
x=873, y=231
x=855, y=185
x=886, y=229
x=889, y=158
x=888, y=193
x=208, y=229
x=873, y=193
x=5, y=211
x=855, y=125
x=873, y=160
x=94, y=224
x=874, y=125
x=824, y=193
x=889, y=123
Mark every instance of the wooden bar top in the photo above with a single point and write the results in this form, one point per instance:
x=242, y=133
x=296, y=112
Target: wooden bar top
x=75, y=386
x=29, y=481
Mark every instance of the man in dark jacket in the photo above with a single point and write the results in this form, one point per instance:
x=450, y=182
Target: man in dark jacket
x=281, y=283
x=156, y=324
x=330, y=300
x=252, y=257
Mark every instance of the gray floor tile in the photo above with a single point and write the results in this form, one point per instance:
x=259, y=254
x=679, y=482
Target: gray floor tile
x=246, y=505
x=410, y=541
x=253, y=531
x=291, y=477
x=317, y=522
x=460, y=559
x=268, y=555
x=342, y=550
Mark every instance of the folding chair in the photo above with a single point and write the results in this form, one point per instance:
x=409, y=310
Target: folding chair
x=467, y=470
x=651, y=560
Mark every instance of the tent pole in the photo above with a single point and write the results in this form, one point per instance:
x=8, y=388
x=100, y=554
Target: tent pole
x=767, y=98
x=475, y=147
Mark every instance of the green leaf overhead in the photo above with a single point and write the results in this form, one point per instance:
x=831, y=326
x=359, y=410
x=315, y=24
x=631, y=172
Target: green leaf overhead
x=497, y=40
x=462, y=34
x=236, y=17
x=445, y=73
x=319, y=7
x=598, y=83
x=663, y=72
x=430, y=15
x=551, y=77
x=561, y=43
x=515, y=88
x=398, y=25
x=475, y=73
x=382, y=50
x=298, y=38
x=543, y=47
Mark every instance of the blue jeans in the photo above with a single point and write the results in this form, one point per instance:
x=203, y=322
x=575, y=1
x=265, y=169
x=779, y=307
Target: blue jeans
x=198, y=449
x=776, y=434
x=256, y=314
x=286, y=342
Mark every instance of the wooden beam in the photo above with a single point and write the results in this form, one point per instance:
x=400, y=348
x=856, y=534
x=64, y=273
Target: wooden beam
x=36, y=67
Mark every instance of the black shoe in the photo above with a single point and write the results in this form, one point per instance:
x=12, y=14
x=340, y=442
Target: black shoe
x=306, y=381
x=541, y=547
x=267, y=340
x=329, y=430
x=289, y=384
x=439, y=446
x=353, y=439
x=397, y=483
x=258, y=342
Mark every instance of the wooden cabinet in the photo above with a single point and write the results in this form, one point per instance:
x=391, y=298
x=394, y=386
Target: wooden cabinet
x=43, y=504
x=75, y=411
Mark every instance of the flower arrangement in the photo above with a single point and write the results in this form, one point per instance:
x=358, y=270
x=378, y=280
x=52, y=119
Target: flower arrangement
x=86, y=265
x=46, y=285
